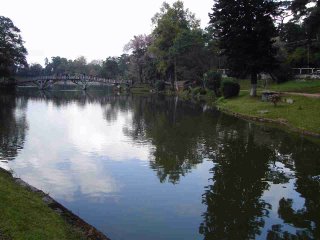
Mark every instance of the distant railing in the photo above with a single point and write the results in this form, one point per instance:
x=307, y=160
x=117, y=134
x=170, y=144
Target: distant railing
x=74, y=78
x=304, y=71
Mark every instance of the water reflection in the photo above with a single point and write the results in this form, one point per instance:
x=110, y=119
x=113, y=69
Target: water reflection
x=235, y=209
x=13, y=125
x=212, y=176
x=306, y=217
x=166, y=124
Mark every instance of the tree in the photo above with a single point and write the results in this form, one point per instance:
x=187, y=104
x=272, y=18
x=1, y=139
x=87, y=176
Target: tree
x=170, y=23
x=245, y=30
x=12, y=52
x=35, y=70
x=94, y=67
x=309, y=11
x=110, y=68
x=57, y=65
x=123, y=65
x=139, y=46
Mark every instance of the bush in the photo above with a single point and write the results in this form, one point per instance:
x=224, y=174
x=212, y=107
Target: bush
x=230, y=88
x=282, y=73
x=213, y=81
x=198, y=91
x=160, y=85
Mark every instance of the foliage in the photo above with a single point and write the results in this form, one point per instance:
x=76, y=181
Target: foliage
x=282, y=73
x=12, y=52
x=179, y=43
x=245, y=31
x=160, y=85
x=197, y=91
x=292, y=32
x=230, y=88
x=213, y=81
x=110, y=69
x=139, y=58
x=310, y=13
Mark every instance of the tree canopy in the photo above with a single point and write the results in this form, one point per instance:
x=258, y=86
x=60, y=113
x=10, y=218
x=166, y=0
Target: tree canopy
x=245, y=30
x=12, y=51
x=176, y=34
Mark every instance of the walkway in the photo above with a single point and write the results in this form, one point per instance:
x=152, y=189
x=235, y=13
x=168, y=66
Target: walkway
x=312, y=95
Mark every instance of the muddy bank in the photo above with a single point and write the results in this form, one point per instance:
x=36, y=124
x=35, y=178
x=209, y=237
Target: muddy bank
x=75, y=221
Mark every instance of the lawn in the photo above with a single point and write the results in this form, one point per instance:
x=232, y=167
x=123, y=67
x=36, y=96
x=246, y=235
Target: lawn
x=23, y=215
x=303, y=86
x=303, y=114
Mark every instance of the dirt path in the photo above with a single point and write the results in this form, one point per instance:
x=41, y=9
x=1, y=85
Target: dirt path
x=312, y=95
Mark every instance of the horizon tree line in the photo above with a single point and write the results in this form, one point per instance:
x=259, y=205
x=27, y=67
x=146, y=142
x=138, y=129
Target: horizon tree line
x=247, y=37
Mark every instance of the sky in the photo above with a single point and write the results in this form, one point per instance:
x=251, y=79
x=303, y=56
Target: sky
x=95, y=29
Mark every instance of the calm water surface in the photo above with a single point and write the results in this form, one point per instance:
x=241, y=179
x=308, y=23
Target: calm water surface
x=150, y=167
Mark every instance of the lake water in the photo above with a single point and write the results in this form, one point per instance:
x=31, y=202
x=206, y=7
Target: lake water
x=154, y=167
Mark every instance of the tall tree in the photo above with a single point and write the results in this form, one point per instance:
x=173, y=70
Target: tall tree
x=170, y=23
x=12, y=52
x=110, y=68
x=309, y=11
x=139, y=46
x=245, y=30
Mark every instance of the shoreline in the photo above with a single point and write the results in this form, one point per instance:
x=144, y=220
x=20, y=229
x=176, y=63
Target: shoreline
x=282, y=122
x=258, y=119
x=88, y=231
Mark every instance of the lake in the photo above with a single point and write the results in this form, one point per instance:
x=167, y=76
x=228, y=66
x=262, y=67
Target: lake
x=156, y=167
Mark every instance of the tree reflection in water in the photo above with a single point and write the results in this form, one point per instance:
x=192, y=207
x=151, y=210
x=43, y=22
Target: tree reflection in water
x=175, y=129
x=13, y=125
x=245, y=159
x=307, y=169
x=234, y=206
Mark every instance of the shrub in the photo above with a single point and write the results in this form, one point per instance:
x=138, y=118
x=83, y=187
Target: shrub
x=230, y=88
x=213, y=81
x=160, y=85
x=198, y=91
x=282, y=73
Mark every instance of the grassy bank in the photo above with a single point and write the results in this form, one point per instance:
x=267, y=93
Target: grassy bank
x=140, y=88
x=302, y=115
x=305, y=86
x=24, y=215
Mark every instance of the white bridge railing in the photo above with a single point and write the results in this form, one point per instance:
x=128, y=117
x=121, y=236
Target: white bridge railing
x=304, y=71
x=44, y=82
x=75, y=78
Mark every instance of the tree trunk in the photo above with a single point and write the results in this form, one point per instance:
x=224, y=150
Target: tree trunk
x=253, y=92
x=175, y=72
x=140, y=74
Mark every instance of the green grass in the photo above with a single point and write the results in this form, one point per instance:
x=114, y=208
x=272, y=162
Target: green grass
x=141, y=88
x=303, y=114
x=303, y=86
x=307, y=86
x=23, y=215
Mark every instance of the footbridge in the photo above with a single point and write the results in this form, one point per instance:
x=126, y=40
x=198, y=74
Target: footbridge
x=45, y=82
